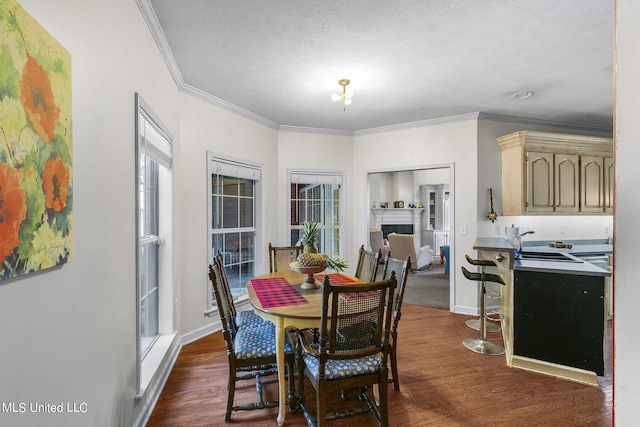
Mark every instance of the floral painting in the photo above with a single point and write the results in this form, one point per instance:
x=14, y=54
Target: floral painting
x=36, y=186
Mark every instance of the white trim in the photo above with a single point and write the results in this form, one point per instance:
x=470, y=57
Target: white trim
x=452, y=209
x=239, y=168
x=158, y=35
x=201, y=332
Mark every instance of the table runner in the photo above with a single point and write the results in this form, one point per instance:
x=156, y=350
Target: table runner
x=276, y=292
x=335, y=278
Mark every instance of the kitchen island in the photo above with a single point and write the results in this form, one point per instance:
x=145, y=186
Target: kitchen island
x=553, y=311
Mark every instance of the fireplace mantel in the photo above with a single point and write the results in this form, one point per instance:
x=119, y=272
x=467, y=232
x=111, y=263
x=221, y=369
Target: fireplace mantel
x=398, y=216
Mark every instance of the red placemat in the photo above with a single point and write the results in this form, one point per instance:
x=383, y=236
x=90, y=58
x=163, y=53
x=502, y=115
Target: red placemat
x=335, y=278
x=276, y=292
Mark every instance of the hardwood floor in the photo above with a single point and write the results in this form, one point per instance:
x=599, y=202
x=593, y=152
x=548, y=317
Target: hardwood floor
x=441, y=384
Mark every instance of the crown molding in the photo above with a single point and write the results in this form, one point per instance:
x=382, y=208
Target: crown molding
x=218, y=102
x=301, y=129
x=419, y=123
x=524, y=120
x=161, y=41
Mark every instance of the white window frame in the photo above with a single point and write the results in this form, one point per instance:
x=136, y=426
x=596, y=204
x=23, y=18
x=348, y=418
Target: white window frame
x=323, y=176
x=239, y=168
x=153, y=140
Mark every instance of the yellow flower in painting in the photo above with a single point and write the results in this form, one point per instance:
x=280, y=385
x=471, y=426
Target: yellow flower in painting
x=55, y=183
x=37, y=99
x=13, y=208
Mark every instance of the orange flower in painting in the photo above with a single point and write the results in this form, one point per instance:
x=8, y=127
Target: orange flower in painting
x=13, y=208
x=55, y=183
x=37, y=99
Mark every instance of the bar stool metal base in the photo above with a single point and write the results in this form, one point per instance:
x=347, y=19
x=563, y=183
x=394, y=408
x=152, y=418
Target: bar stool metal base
x=483, y=346
x=475, y=325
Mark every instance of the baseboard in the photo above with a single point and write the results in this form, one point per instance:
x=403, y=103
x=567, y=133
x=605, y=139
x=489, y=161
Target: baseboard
x=202, y=332
x=561, y=371
x=466, y=310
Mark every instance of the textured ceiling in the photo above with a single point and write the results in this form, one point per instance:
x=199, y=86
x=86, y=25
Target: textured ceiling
x=408, y=61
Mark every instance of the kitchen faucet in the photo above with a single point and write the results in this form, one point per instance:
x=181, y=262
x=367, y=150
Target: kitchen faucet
x=517, y=243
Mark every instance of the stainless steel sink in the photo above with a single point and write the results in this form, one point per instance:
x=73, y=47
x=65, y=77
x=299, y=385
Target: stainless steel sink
x=548, y=256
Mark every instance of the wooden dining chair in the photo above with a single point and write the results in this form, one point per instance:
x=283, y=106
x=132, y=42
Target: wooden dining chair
x=242, y=319
x=367, y=267
x=251, y=351
x=281, y=256
x=401, y=269
x=352, y=351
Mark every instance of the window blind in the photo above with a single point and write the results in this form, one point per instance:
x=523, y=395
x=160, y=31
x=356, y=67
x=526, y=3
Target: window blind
x=235, y=170
x=315, y=178
x=155, y=142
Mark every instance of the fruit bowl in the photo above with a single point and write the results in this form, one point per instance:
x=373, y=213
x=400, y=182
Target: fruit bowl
x=309, y=281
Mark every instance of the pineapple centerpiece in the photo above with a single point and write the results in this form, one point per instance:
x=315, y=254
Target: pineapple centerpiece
x=310, y=261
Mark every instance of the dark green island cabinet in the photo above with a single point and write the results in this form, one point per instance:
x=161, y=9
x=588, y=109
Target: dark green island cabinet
x=559, y=317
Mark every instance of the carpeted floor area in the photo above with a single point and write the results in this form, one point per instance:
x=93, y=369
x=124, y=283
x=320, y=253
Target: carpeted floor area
x=428, y=288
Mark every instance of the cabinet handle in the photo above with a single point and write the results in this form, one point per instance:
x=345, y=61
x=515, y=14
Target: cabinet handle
x=499, y=257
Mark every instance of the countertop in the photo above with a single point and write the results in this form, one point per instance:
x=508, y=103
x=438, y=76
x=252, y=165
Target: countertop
x=574, y=265
x=577, y=267
x=492, y=244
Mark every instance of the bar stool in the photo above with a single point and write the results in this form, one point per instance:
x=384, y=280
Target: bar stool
x=475, y=323
x=482, y=345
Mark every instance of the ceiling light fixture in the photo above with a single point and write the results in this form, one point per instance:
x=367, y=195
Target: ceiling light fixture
x=525, y=94
x=345, y=98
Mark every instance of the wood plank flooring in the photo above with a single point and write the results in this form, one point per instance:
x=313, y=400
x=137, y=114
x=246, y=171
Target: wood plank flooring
x=441, y=384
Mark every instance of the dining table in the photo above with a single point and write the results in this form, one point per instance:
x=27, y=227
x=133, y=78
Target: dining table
x=280, y=298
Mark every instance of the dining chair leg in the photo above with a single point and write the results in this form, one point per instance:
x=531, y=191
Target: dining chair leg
x=321, y=408
x=231, y=386
x=395, y=379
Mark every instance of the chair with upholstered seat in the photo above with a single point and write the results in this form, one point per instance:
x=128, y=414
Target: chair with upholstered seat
x=352, y=351
x=401, y=269
x=281, y=256
x=367, y=267
x=408, y=245
x=251, y=351
x=378, y=243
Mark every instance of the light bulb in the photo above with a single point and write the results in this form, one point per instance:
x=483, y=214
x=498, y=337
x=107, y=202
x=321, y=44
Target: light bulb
x=335, y=97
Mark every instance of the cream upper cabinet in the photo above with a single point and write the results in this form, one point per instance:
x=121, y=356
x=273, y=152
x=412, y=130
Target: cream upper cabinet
x=608, y=184
x=592, y=184
x=545, y=173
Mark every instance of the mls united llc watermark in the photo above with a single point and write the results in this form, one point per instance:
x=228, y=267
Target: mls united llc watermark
x=44, y=407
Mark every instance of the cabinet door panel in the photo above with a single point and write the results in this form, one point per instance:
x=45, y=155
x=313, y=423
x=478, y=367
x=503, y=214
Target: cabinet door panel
x=608, y=184
x=567, y=191
x=592, y=184
x=539, y=182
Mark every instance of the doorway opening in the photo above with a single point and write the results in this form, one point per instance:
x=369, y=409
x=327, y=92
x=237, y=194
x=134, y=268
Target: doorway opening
x=419, y=201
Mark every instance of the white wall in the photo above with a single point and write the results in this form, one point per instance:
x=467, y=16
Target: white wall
x=69, y=335
x=627, y=205
x=203, y=128
x=315, y=152
x=437, y=144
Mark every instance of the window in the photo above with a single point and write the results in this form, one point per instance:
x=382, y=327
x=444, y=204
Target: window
x=154, y=208
x=232, y=229
x=317, y=197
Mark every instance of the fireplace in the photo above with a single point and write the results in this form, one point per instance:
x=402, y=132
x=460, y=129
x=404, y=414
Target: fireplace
x=399, y=220
x=396, y=228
